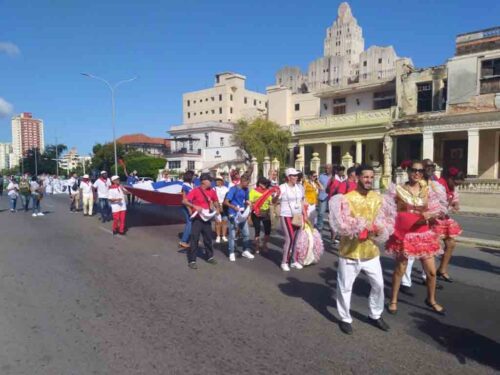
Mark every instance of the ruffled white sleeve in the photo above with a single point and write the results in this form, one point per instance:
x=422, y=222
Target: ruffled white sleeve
x=341, y=220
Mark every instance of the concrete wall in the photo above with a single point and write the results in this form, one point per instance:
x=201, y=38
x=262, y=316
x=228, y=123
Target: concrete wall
x=488, y=153
x=462, y=79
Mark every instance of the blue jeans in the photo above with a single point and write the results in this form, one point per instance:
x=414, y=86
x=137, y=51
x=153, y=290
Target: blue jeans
x=245, y=232
x=187, y=227
x=104, y=209
x=13, y=203
x=321, y=209
x=36, y=203
x=26, y=201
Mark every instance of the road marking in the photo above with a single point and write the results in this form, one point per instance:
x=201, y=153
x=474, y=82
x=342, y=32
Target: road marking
x=111, y=232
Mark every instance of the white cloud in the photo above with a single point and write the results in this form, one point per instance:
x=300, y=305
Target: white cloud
x=5, y=108
x=9, y=48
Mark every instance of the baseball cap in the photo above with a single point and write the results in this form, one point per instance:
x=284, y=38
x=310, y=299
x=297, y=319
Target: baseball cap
x=103, y=172
x=205, y=176
x=85, y=176
x=115, y=177
x=291, y=172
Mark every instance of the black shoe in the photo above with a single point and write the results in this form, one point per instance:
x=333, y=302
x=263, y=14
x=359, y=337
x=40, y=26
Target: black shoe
x=346, y=328
x=212, y=261
x=193, y=265
x=444, y=277
x=433, y=307
x=115, y=232
x=406, y=290
x=380, y=324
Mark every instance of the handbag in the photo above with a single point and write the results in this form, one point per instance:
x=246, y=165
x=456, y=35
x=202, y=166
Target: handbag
x=297, y=220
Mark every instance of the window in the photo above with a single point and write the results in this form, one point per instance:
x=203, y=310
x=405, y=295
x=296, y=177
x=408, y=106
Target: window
x=220, y=110
x=490, y=76
x=297, y=106
x=191, y=145
x=222, y=141
x=189, y=115
x=230, y=109
x=231, y=97
x=245, y=99
x=339, y=106
x=220, y=97
x=188, y=103
x=255, y=102
x=190, y=165
x=201, y=113
x=380, y=61
x=194, y=101
x=213, y=111
x=364, y=63
x=206, y=99
x=213, y=98
x=385, y=99
x=174, y=164
x=424, y=97
x=206, y=140
x=297, y=122
x=444, y=95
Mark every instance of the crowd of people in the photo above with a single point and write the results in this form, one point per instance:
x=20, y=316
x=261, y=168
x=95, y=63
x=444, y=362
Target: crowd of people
x=409, y=221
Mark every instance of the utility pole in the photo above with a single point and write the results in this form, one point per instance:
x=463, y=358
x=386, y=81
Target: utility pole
x=57, y=158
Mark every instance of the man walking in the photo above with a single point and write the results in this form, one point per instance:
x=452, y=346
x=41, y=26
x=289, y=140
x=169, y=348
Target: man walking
x=87, y=195
x=324, y=179
x=74, y=193
x=102, y=185
x=25, y=192
x=204, y=203
x=237, y=200
x=361, y=217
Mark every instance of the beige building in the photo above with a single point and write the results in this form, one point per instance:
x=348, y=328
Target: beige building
x=345, y=60
x=451, y=113
x=287, y=108
x=5, y=152
x=227, y=101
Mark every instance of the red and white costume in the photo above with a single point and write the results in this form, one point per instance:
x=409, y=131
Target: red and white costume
x=412, y=236
x=448, y=227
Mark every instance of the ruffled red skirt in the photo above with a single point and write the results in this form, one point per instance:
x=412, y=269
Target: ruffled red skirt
x=447, y=228
x=411, y=239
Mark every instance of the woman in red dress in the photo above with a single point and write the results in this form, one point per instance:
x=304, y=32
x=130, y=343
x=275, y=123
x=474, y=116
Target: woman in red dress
x=419, y=204
x=446, y=227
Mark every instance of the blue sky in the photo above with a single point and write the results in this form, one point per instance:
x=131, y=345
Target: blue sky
x=178, y=46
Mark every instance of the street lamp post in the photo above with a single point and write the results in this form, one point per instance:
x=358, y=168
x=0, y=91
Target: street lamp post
x=36, y=164
x=112, y=89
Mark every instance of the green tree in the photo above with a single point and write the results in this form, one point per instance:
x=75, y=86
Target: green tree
x=262, y=138
x=42, y=162
x=146, y=166
x=104, y=157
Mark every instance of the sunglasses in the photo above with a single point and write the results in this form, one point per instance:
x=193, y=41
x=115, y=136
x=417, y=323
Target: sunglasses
x=415, y=170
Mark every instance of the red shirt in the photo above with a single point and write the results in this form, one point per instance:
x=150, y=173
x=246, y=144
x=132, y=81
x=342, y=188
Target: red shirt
x=346, y=187
x=197, y=198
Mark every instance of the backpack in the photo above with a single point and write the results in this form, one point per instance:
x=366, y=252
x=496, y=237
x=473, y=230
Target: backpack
x=24, y=187
x=75, y=186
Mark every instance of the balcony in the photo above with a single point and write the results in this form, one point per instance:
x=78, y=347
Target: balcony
x=348, y=121
x=184, y=151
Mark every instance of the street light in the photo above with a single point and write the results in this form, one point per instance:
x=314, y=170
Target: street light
x=112, y=89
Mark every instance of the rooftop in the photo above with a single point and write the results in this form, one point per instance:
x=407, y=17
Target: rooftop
x=140, y=138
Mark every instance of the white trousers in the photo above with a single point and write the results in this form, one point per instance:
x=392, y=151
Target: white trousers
x=88, y=204
x=347, y=273
x=406, y=280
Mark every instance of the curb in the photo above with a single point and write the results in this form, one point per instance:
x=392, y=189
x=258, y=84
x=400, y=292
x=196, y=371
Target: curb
x=479, y=242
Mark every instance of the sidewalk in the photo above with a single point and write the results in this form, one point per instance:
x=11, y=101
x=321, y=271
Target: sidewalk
x=479, y=204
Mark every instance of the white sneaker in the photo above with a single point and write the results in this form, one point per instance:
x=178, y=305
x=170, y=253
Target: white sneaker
x=296, y=265
x=285, y=267
x=34, y=215
x=224, y=238
x=232, y=257
x=40, y=214
x=247, y=254
x=217, y=240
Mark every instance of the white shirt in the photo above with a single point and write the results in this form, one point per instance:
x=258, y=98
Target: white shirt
x=116, y=193
x=291, y=199
x=12, y=193
x=102, y=187
x=221, y=193
x=86, y=188
x=71, y=182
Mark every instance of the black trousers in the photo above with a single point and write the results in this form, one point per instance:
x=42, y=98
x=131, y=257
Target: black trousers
x=205, y=229
x=266, y=222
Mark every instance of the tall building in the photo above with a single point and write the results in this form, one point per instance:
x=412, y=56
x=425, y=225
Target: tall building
x=227, y=101
x=5, y=151
x=27, y=134
x=344, y=62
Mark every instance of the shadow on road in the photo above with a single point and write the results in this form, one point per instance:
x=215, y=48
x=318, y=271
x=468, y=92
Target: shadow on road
x=146, y=215
x=495, y=252
x=461, y=342
x=475, y=264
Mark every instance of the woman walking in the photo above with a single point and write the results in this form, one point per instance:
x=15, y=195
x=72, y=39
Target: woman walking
x=261, y=198
x=13, y=193
x=291, y=216
x=447, y=227
x=221, y=221
x=419, y=205
x=36, y=196
x=187, y=186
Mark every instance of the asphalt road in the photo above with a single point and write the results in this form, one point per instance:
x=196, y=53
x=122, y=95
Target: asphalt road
x=75, y=300
x=483, y=227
